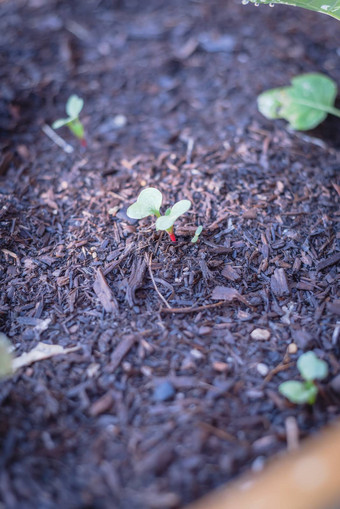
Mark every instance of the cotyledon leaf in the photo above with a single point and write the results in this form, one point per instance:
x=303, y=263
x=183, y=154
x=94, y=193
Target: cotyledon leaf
x=148, y=203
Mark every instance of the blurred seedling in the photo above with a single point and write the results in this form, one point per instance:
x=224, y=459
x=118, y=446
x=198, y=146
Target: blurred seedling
x=311, y=368
x=197, y=234
x=5, y=357
x=149, y=203
x=73, y=108
x=304, y=104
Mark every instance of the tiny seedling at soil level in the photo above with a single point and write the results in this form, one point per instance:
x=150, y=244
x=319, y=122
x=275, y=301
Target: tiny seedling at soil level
x=197, y=234
x=74, y=106
x=305, y=104
x=311, y=368
x=5, y=356
x=149, y=203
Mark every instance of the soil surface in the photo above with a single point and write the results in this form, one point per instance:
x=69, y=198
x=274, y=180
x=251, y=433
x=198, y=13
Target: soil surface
x=171, y=393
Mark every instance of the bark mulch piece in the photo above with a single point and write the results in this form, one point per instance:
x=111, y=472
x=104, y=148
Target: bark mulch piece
x=172, y=392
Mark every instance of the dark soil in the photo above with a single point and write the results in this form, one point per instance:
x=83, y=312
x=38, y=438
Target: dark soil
x=159, y=406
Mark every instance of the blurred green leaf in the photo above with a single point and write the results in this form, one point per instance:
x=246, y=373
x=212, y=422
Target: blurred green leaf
x=312, y=368
x=5, y=356
x=298, y=392
x=330, y=7
x=304, y=104
x=74, y=106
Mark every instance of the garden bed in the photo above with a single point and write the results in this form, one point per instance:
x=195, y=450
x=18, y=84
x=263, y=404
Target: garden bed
x=163, y=401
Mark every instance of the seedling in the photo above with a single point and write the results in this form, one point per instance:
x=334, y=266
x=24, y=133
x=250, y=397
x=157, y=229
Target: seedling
x=74, y=106
x=197, y=234
x=305, y=104
x=311, y=368
x=5, y=356
x=149, y=203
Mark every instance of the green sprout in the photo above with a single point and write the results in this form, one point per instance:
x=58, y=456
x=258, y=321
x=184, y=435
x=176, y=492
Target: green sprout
x=149, y=203
x=311, y=368
x=197, y=234
x=74, y=106
x=304, y=104
x=5, y=356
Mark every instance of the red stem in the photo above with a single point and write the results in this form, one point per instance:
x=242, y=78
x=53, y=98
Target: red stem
x=172, y=237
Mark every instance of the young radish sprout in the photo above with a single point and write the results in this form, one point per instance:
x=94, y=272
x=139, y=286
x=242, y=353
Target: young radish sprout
x=74, y=106
x=149, y=203
x=5, y=356
x=197, y=234
x=311, y=368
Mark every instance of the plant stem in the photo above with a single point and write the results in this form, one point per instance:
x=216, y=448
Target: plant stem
x=170, y=231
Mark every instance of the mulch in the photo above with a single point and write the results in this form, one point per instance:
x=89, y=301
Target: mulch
x=171, y=393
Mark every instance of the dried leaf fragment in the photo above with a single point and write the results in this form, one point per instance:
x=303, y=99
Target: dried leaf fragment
x=104, y=293
x=40, y=352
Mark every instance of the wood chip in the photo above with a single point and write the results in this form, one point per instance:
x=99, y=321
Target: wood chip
x=278, y=283
x=101, y=405
x=331, y=260
x=228, y=294
x=135, y=280
x=230, y=273
x=104, y=293
x=119, y=353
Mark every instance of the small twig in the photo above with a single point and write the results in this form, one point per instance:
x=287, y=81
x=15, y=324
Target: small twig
x=292, y=433
x=190, y=147
x=277, y=369
x=57, y=139
x=148, y=262
x=194, y=309
x=301, y=213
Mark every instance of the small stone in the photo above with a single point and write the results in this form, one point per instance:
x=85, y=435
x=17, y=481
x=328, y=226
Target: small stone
x=221, y=367
x=292, y=348
x=262, y=369
x=260, y=334
x=164, y=391
x=196, y=354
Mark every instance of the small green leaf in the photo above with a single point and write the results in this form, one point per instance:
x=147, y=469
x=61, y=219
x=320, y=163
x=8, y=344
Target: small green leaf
x=298, y=392
x=166, y=222
x=197, y=234
x=77, y=128
x=60, y=123
x=5, y=356
x=148, y=203
x=304, y=105
x=74, y=106
x=312, y=368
